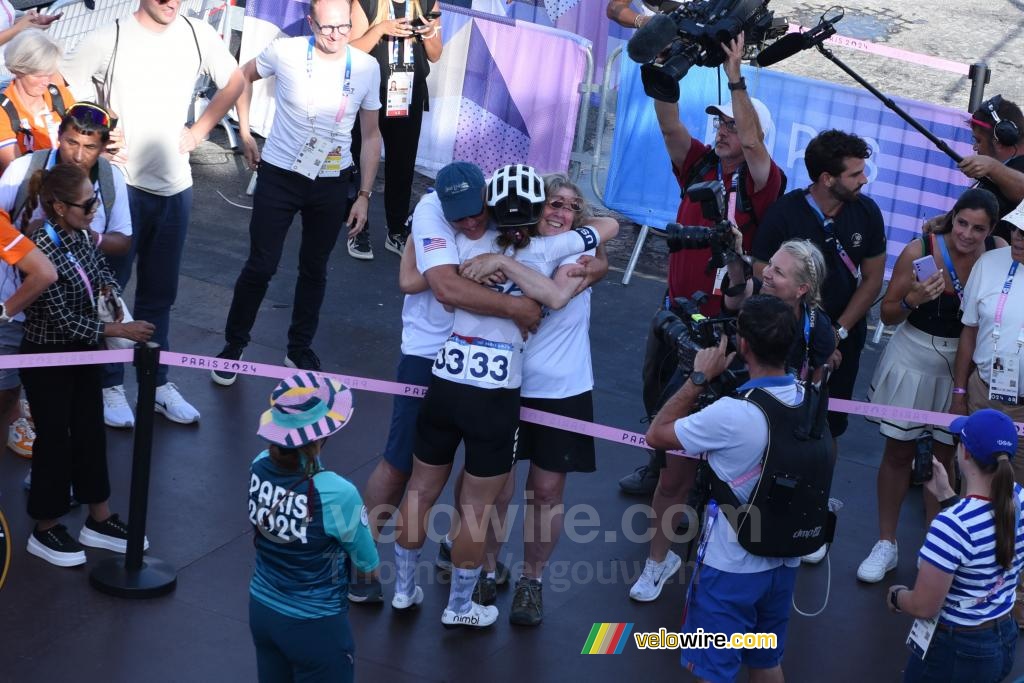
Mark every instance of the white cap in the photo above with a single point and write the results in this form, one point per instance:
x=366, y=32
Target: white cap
x=1016, y=217
x=763, y=115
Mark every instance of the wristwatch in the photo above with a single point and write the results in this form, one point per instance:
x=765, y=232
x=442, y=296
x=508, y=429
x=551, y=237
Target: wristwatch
x=842, y=333
x=738, y=85
x=4, y=318
x=698, y=379
x=364, y=193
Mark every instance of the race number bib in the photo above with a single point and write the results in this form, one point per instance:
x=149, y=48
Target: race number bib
x=479, y=362
x=1003, y=379
x=312, y=156
x=399, y=91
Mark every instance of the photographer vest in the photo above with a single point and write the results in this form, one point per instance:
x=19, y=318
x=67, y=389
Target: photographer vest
x=709, y=162
x=787, y=514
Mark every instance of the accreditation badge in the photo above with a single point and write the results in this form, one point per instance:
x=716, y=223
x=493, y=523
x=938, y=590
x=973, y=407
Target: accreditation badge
x=312, y=156
x=399, y=94
x=332, y=164
x=1004, y=378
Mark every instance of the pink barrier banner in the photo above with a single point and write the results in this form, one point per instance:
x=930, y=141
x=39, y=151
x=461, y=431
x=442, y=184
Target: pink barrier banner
x=597, y=431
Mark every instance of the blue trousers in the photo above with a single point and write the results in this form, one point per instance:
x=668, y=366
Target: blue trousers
x=301, y=650
x=159, y=227
x=966, y=656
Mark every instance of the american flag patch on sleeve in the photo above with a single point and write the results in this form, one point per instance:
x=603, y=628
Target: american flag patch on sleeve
x=432, y=243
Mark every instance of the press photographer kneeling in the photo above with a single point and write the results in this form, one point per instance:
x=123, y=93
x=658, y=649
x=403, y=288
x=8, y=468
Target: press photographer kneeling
x=748, y=557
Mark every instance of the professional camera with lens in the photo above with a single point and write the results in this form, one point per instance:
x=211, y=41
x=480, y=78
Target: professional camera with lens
x=684, y=327
x=701, y=26
x=718, y=238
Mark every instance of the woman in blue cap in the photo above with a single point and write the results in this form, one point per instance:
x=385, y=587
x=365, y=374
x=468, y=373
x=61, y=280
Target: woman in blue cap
x=309, y=524
x=971, y=561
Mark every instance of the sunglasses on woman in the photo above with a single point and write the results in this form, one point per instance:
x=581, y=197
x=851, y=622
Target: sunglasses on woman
x=89, y=115
x=576, y=206
x=88, y=205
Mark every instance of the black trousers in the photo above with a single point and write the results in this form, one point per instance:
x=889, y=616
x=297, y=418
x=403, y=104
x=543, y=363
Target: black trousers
x=71, y=441
x=279, y=195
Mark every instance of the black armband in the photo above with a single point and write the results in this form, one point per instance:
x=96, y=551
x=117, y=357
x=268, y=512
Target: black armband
x=949, y=502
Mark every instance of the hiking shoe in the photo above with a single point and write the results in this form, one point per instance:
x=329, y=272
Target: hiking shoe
x=882, y=559
x=485, y=592
x=395, y=243
x=116, y=411
x=226, y=378
x=359, y=246
x=365, y=591
x=527, y=603
x=641, y=482
x=21, y=436
x=817, y=556
x=56, y=546
x=478, y=616
x=303, y=359
x=648, y=587
x=111, y=534
x=171, y=404
x=402, y=602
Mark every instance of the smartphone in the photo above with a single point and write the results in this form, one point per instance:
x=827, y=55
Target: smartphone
x=922, y=469
x=420, y=22
x=925, y=267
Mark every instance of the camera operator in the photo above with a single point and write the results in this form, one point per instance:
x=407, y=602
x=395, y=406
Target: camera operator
x=997, y=127
x=753, y=181
x=733, y=590
x=847, y=227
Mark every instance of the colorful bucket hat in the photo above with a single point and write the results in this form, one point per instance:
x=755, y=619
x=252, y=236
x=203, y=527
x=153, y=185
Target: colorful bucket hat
x=305, y=408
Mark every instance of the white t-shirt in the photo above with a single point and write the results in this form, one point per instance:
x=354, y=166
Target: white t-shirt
x=289, y=60
x=981, y=295
x=7, y=18
x=492, y=336
x=557, y=362
x=10, y=181
x=734, y=434
x=151, y=85
x=425, y=323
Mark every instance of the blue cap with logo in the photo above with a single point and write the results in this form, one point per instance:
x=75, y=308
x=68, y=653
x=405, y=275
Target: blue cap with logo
x=460, y=187
x=986, y=433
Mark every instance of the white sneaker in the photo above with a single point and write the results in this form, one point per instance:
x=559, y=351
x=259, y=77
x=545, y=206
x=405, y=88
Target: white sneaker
x=883, y=559
x=401, y=601
x=478, y=616
x=116, y=411
x=171, y=405
x=648, y=587
x=817, y=556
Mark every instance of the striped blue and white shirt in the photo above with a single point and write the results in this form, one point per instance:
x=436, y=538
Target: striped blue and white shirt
x=962, y=541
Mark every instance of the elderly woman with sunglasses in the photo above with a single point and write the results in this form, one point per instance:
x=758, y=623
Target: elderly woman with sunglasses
x=557, y=378
x=66, y=401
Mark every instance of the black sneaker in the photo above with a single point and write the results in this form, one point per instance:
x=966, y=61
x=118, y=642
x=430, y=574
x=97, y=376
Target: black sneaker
x=302, y=359
x=111, y=534
x=641, y=482
x=395, y=243
x=223, y=377
x=359, y=246
x=527, y=603
x=56, y=546
x=485, y=592
x=362, y=591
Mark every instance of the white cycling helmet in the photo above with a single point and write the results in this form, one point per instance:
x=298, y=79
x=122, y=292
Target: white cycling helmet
x=516, y=196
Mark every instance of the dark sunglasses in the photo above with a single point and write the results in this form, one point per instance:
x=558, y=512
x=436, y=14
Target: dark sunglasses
x=88, y=205
x=88, y=114
x=576, y=206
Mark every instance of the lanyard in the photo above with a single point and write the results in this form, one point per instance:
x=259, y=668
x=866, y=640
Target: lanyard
x=830, y=237
x=957, y=287
x=346, y=89
x=1000, y=305
x=393, y=42
x=731, y=215
x=71, y=258
x=810, y=316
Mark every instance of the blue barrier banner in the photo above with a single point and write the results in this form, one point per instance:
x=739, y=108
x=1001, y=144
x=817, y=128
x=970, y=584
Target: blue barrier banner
x=908, y=177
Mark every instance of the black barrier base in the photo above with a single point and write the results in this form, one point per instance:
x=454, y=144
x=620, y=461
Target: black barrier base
x=156, y=578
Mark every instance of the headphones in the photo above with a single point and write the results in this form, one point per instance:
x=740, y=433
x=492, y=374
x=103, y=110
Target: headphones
x=1004, y=131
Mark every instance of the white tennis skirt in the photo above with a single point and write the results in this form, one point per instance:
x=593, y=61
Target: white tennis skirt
x=915, y=371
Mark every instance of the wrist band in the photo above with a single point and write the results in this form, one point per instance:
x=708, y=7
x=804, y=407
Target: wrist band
x=894, y=599
x=949, y=502
x=738, y=85
x=959, y=391
x=905, y=305
x=636, y=20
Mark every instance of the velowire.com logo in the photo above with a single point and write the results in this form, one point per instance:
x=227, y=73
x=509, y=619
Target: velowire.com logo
x=607, y=639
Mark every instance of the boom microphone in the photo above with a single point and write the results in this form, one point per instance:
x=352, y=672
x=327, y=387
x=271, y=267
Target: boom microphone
x=790, y=44
x=651, y=38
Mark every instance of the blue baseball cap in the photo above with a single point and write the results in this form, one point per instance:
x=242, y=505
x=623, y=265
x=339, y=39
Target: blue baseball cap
x=460, y=187
x=986, y=433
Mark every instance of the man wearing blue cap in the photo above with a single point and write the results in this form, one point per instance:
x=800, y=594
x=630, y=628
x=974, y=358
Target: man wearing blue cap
x=971, y=561
x=457, y=203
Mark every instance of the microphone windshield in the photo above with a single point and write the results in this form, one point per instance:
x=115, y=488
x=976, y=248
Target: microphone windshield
x=783, y=48
x=651, y=38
